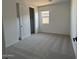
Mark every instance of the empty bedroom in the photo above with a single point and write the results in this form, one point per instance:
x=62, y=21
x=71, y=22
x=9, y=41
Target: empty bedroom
x=39, y=29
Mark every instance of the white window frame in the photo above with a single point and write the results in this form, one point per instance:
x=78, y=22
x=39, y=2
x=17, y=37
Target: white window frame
x=45, y=17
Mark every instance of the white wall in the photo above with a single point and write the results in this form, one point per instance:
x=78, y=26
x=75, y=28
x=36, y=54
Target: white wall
x=10, y=21
x=59, y=18
x=74, y=23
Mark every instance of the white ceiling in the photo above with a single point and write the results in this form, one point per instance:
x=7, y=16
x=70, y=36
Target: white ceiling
x=44, y=2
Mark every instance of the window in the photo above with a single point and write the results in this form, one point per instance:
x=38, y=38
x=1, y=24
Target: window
x=45, y=17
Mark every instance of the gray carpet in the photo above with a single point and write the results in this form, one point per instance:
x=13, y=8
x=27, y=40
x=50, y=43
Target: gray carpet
x=43, y=46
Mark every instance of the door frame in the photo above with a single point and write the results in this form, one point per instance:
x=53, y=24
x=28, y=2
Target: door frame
x=18, y=16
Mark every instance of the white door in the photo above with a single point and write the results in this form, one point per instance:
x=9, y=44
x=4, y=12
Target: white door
x=18, y=9
x=23, y=21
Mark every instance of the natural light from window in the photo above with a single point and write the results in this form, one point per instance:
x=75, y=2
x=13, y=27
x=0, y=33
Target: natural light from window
x=45, y=17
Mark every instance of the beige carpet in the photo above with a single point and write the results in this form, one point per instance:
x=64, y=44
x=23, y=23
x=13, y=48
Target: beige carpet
x=43, y=46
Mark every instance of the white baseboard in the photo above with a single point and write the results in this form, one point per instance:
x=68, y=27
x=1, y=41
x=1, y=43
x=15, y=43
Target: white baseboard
x=8, y=45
